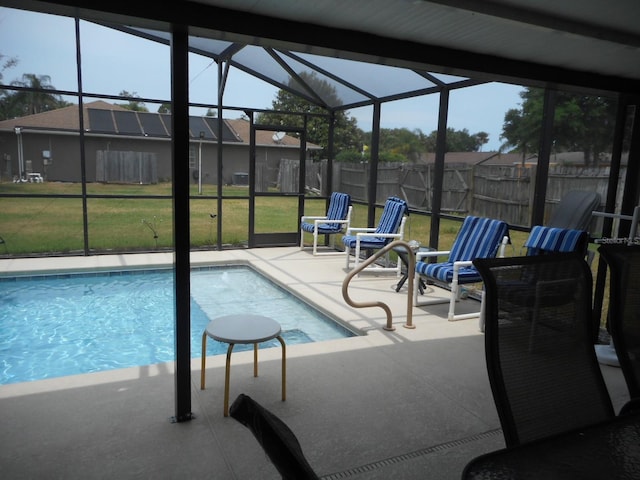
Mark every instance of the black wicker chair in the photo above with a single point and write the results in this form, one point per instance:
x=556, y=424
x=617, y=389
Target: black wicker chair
x=543, y=371
x=624, y=313
x=276, y=438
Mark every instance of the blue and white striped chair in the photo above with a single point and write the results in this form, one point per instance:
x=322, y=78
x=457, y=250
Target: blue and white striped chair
x=543, y=240
x=478, y=238
x=390, y=227
x=337, y=220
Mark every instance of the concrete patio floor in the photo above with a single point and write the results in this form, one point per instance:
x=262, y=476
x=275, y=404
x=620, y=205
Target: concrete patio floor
x=408, y=404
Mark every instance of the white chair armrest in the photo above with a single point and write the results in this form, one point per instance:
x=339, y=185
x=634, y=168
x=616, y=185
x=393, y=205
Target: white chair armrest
x=305, y=218
x=325, y=220
x=358, y=229
x=434, y=253
x=503, y=246
x=462, y=263
x=373, y=234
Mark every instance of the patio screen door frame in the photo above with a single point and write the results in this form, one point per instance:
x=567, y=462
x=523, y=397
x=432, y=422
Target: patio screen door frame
x=275, y=239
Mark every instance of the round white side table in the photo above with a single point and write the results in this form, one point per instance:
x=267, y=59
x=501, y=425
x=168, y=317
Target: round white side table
x=242, y=328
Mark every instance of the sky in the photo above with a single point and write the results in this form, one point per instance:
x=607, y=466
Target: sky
x=113, y=61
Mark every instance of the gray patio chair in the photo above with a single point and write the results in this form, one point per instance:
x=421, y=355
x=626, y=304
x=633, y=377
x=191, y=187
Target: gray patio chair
x=544, y=374
x=574, y=210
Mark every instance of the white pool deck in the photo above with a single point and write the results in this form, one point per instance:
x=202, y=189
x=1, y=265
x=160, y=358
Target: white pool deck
x=407, y=404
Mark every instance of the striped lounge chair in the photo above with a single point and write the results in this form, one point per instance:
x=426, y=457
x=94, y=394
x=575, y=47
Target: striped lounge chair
x=390, y=227
x=478, y=238
x=337, y=220
x=543, y=240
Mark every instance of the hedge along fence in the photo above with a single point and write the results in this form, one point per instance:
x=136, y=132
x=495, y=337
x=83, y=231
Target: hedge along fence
x=495, y=191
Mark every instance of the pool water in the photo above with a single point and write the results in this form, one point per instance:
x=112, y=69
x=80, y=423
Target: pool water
x=60, y=325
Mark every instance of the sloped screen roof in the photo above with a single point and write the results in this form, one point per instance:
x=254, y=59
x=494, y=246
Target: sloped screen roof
x=333, y=83
x=582, y=43
x=589, y=43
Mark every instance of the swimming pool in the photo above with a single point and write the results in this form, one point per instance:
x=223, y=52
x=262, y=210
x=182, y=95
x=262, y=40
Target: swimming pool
x=58, y=325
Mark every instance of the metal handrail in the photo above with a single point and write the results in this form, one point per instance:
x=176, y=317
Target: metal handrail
x=410, y=274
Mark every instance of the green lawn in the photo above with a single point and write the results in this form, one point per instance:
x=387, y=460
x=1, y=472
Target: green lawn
x=55, y=224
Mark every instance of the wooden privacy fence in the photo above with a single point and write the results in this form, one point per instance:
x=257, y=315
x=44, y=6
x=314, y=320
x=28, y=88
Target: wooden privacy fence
x=504, y=192
x=495, y=191
x=315, y=176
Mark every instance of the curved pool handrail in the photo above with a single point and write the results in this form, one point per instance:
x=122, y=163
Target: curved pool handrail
x=411, y=270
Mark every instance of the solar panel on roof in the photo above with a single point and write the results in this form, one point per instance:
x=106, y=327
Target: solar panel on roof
x=227, y=133
x=166, y=119
x=198, y=125
x=101, y=121
x=127, y=123
x=152, y=124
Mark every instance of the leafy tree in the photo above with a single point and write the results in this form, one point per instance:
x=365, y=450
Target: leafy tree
x=391, y=157
x=135, y=105
x=352, y=156
x=483, y=138
x=402, y=142
x=585, y=122
x=404, y=145
x=581, y=123
x=458, y=140
x=164, y=108
x=347, y=135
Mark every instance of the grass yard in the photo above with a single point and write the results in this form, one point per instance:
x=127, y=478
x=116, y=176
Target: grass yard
x=54, y=224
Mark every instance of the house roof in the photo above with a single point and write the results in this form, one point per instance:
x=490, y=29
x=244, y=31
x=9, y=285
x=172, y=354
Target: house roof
x=65, y=118
x=105, y=118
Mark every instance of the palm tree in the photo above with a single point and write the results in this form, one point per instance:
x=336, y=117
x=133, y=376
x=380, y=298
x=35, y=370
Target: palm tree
x=35, y=99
